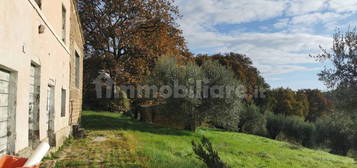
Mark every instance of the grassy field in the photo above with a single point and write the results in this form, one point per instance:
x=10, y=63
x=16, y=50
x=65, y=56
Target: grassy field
x=116, y=141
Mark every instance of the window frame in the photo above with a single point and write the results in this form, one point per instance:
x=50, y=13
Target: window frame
x=77, y=69
x=63, y=102
x=64, y=23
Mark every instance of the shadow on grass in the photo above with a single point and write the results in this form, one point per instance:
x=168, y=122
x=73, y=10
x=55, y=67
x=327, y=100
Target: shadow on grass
x=118, y=122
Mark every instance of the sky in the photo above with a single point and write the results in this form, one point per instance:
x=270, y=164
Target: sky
x=278, y=35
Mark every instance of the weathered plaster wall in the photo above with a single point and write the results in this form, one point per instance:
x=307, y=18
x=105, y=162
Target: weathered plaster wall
x=21, y=44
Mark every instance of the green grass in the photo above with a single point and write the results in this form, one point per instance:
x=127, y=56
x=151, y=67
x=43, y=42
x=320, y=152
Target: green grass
x=135, y=144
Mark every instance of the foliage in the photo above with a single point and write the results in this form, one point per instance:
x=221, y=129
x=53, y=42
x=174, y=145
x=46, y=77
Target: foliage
x=243, y=70
x=336, y=131
x=292, y=127
x=198, y=104
x=207, y=154
x=319, y=105
x=307, y=104
x=302, y=104
x=283, y=101
x=299, y=130
x=253, y=121
x=354, y=137
x=344, y=98
x=225, y=107
x=275, y=124
x=125, y=38
x=343, y=58
x=343, y=72
x=184, y=103
x=189, y=105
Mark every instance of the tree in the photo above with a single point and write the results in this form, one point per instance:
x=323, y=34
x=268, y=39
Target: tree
x=224, y=108
x=244, y=71
x=126, y=37
x=275, y=124
x=339, y=129
x=343, y=98
x=343, y=58
x=302, y=104
x=253, y=121
x=288, y=103
x=182, y=102
x=199, y=101
x=319, y=105
x=336, y=130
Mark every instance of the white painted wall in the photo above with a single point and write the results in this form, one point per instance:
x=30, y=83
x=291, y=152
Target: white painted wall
x=21, y=44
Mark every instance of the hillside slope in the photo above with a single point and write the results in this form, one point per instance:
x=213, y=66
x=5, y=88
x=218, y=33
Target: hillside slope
x=116, y=141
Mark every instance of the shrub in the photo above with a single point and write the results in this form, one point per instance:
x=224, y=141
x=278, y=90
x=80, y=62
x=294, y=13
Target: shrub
x=354, y=137
x=207, y=154
x=299, y=130
x=253, y=121
x=336, y=131
x=275, y=124
x=308, y=134
x=354, y=140
x=294, y=128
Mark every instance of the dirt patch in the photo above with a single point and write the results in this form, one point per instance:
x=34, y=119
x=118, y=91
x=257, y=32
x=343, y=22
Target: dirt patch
x=99, y=139
x=98, y=149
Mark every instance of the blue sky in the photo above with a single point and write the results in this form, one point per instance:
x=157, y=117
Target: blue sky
x=278, y=35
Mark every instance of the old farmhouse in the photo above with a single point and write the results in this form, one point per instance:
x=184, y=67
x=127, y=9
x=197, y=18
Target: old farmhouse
x=41, y=67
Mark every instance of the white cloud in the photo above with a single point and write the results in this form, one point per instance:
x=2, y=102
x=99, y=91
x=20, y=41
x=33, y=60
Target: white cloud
x=313, y=18
x=301, y=7
x=343, y=5
x=307, y=22
x=298, y=7
x=269, y=70
x=200, y=37
x=273, y=53
x=282, y=23
x=230, y=11
x=264, y=48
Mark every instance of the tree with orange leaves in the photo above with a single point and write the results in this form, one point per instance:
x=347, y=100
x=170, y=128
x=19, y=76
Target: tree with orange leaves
x=125, y=38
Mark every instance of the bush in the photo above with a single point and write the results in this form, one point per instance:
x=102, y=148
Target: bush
x=299, y=130
x=294, y=128
x=354, y=141
x=336, y=131
x=275, y=124
x=308, y=134
x=354, y=137
x=207, y=154
x=253, y=121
